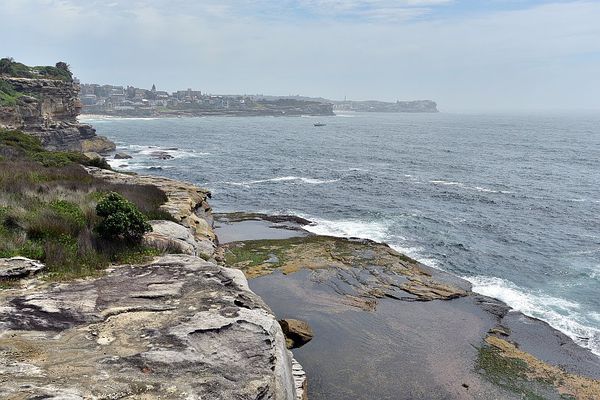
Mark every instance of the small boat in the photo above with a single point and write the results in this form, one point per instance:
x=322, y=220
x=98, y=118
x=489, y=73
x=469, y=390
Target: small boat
x=319, y=124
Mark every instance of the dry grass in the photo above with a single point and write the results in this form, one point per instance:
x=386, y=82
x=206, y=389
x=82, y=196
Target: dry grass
x=47, y=211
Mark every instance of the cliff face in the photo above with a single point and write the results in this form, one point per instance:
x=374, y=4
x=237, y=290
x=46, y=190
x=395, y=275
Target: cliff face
x=48, y=109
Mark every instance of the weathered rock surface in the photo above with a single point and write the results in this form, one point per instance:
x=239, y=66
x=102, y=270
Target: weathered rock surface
x=175, y=238
x=161, y=155
x=122, y=156
x=19, y=267
x=297, y=333
x=177, y=328
x=362, y=271
x=48, y=110
x=187, y=204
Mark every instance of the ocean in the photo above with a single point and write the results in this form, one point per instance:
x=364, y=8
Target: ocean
x=509, y=202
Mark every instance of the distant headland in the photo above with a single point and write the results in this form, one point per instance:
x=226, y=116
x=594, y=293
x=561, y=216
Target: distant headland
x=130, y=101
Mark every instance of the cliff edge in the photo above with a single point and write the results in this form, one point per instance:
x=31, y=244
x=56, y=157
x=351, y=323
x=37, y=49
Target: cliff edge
x=44, y=102
x=178, y=327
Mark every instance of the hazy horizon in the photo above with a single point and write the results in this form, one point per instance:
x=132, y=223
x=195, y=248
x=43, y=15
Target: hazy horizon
x=498, y=55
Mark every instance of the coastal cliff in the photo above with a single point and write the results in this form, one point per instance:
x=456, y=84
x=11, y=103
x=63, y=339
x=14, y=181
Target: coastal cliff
x=178, y=326
x=46, y=106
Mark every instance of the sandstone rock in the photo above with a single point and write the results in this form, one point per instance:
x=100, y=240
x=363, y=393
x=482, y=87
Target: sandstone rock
x=175, y=238
x=92, y=155
x=177, y=328
x=19, y=267
x=187, y=203
x=298, y=332
x=98, y=144
x=122, y=156
x=48, y=110
x=300, y=380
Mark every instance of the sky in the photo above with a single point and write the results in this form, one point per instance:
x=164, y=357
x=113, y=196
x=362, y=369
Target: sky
x=467, y=55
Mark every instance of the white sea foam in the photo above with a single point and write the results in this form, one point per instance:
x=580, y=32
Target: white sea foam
x=561, y=314
x=418, y=254
x=373, y=230
x=310, y=181
x=147, y=151
x=446, y=183
x=463, y=186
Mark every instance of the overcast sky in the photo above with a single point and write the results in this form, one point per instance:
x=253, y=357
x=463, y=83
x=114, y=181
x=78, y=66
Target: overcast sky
x=468, y=55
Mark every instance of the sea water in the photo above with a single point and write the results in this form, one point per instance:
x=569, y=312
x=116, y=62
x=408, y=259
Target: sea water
x=509, y=202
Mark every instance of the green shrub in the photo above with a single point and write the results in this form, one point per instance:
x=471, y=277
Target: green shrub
x=121, y=219
x=8, y=95
x=60, y=71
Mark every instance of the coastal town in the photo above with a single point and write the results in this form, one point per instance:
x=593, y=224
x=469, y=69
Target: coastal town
x=133, y=101
x=136, y=102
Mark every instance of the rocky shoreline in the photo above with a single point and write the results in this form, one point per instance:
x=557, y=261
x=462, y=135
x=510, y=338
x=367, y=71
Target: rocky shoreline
x=173, y=327
x=487, y=350
x=180, y=326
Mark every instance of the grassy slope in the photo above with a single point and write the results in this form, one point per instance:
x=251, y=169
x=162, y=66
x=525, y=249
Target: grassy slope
x=47, y=209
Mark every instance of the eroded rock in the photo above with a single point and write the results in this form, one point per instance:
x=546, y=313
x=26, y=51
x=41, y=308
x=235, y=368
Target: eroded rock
x=297, y=333
x=19, y=267
x=360, y=271
x=48, y=110
x=186, y=203
x=170, y=237
x=177, y=328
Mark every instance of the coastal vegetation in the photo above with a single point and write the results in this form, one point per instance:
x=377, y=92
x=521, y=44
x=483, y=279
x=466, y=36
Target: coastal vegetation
x=8, y=94
x=14, y=69
x=48, y=210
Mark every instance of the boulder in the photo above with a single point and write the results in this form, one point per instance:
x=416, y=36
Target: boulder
x=19, y=267
x=186, y=203
x=161, y=155
x=172, y=237
x=122, y=156
x=92, y=155
x=98, y=144
x=297, y=332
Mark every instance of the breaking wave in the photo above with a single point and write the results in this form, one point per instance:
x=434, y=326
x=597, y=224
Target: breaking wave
x=561, y=314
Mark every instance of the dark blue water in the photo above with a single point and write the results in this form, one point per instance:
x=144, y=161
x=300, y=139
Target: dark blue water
x=512, y=202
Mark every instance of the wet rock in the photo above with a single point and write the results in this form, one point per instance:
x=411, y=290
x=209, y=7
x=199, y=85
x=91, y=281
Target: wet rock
x=171, y=329
x=122, y=156
x=19, y=267
x=297, y=332
x=161, y=155
x=428, y=289
x=360, y=271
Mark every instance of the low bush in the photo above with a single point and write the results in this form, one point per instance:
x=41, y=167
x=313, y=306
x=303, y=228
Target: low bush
x=48, y=212
x=121, y=219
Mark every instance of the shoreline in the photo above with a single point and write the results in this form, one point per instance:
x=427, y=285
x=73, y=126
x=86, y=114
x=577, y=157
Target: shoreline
x=299, y=223
x=535, y=341
x=327, y=231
